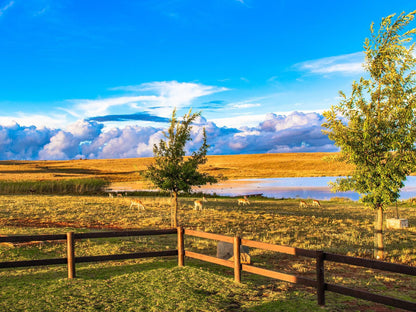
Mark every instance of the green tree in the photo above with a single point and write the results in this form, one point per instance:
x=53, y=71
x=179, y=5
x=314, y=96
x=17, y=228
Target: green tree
x=375, y=127
x=171, y=170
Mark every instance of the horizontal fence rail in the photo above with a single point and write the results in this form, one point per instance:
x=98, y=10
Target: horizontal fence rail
x=124, y=233
x=278, y=275
x=282, y=249
x=218, y=237
x=29, y=263
x=31, y=238
x=211, y=259
x=361, y=294
x=372, y=264
x=135, y=255
x=53, y=237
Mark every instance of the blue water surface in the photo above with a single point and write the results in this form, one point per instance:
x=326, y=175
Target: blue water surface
x=309, y=187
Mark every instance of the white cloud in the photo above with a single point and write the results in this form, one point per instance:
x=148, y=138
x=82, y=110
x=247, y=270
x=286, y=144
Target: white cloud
x=20, y=142
x=238, y=121
x=171, y=94
x=246, y=105
x=38, y=120
x=275, y=122
x=87, y=108
x=165, y=95
x=341, y=64
x=295, y=132
x=85, y=130
x=6, y=7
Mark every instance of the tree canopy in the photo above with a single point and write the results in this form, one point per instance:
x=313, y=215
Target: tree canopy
x=171, y=170
x=375, y=127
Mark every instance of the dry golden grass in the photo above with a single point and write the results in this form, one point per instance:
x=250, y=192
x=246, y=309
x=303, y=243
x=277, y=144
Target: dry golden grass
x=276, y=165
x=127, y=170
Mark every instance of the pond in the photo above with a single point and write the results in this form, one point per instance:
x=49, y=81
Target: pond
x=309, y=187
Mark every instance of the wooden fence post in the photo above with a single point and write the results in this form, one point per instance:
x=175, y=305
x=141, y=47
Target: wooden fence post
x=70, y=243
x=320, y=277
x=237, y=261
x=181, y=251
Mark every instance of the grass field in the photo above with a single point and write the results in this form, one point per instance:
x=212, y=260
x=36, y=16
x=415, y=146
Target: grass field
x=127, y=170
x=340, y=226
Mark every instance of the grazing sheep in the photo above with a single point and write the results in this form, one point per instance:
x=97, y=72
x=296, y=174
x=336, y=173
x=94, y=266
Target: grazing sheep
x=316, y=203
x=198, y=205
x=243, y=201
x=138, y=203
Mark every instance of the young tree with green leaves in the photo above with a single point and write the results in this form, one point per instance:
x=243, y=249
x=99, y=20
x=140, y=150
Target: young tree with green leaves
x=375, y=127
x=174, y=172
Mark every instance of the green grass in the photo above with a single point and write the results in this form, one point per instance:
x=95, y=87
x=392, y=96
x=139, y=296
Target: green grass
x=154, y=286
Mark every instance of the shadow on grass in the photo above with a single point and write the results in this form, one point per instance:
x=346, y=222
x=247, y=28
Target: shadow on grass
x=103, y=270
x=137, y=286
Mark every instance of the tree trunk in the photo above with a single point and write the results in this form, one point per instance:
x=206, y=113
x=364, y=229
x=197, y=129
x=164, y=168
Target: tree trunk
x=174, y=211
x=378, y=234
x=397, y=211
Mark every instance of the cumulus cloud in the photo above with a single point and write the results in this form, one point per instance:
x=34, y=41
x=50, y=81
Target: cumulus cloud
x=296, y=132
x=21, y=143
x=343, y=64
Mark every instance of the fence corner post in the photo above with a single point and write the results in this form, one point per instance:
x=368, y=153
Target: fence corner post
x=181, y=251
x=320, y=277
x=237, y=259
x=70, y=243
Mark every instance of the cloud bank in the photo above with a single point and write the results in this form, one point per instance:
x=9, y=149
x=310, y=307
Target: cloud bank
x=296, y=132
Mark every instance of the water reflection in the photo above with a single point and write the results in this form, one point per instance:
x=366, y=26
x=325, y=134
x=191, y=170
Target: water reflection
x=311, y=187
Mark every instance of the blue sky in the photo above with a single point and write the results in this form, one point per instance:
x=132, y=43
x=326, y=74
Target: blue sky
x=82, y=78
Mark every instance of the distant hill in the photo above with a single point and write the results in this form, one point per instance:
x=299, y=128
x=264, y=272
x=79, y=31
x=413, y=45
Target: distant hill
x=127, y=170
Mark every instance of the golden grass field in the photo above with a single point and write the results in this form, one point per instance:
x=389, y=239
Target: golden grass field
x=339, y=226
x=127, y=170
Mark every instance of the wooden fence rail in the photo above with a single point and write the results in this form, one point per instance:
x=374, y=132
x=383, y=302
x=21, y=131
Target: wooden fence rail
x=320, y=257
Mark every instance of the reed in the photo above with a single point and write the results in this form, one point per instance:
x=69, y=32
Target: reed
x=60, y=187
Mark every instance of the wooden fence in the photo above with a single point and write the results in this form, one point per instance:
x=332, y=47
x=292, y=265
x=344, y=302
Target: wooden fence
x=70, y=241
x=320, y=257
